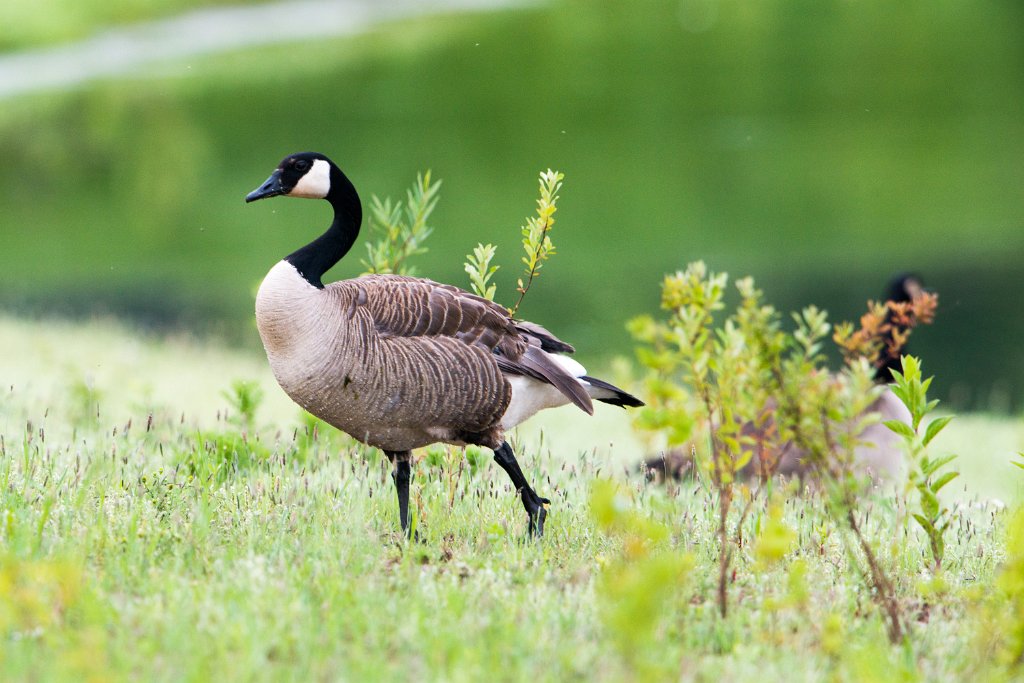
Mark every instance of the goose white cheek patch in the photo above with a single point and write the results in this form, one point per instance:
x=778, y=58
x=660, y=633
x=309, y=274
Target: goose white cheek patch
x=316, y=183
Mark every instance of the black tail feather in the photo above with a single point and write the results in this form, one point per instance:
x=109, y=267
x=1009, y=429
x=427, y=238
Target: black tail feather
x=619, y=398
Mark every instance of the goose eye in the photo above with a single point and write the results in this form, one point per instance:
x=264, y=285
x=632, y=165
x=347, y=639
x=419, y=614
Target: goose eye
x=301, y=165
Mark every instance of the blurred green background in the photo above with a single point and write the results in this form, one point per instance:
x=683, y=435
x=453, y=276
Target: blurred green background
x=819, y=146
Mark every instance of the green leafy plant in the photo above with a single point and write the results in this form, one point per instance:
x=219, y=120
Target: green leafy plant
x=216, y=454
x=926, y=473
x=536, y=238
x=213, y=457
x=245, y=398
x=756, y=391
x=478, y=266
x=401, y=229
x=733, y=371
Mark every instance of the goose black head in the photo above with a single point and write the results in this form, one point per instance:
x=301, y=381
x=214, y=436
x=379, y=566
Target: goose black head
x=905, y=287
x=307, y=174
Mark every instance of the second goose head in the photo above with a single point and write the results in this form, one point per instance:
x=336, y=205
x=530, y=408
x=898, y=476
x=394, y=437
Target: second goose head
x=905, y=287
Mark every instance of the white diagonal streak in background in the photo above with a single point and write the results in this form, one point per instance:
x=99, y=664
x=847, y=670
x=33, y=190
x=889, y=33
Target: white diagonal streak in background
x=221, y=29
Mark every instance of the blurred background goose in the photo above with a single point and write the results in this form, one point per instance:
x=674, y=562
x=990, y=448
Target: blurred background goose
x=879, y=452
x=400, y=362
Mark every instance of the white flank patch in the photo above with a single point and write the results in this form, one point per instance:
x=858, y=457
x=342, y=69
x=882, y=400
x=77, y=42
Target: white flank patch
x=528, y=397
x=568, y=364
x=316, y=183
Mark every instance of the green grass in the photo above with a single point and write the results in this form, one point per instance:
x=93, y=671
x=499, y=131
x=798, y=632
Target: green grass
x=819, y=149
x=148, y=533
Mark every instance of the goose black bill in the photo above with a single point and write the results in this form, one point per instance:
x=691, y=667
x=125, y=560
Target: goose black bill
x=271, y=187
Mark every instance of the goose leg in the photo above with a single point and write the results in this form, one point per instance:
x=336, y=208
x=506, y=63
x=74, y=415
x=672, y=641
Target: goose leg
x=536, y=507
x=401, y=473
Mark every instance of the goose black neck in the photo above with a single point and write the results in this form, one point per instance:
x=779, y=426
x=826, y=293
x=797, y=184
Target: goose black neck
x=320, y=255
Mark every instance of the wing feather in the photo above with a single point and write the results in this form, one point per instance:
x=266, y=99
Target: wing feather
x=409, y=307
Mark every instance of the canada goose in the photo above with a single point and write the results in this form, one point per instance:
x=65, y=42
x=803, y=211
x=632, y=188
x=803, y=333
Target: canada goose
x=879, y=452
x=400, y=362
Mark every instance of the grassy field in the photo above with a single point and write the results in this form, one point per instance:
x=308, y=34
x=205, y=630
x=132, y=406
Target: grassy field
x=818, y=149
x=154, y=528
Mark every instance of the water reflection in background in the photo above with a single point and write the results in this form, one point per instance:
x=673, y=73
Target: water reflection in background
x=819, y=148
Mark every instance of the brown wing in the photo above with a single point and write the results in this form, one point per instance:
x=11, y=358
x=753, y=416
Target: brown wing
x=413, y=307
